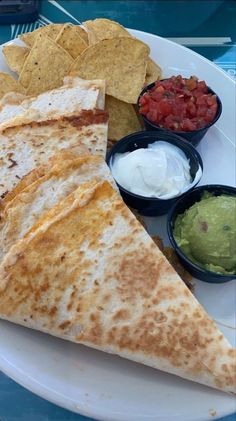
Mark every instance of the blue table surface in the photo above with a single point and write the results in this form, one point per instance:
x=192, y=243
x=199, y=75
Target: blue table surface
x=208, y=27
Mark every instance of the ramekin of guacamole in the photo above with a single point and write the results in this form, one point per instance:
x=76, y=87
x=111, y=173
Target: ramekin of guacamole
x=206, y=233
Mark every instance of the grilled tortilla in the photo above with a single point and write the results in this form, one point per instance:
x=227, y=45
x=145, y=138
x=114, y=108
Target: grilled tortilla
x=45, y=188
x=75, y=95
x=27, y=146
x=38, y=172
x=88, y=272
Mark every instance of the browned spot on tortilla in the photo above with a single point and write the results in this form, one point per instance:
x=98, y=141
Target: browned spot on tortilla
x=197, y=314
x=13, y=163
x=106, y=298
x=231, y=353
x=136, y=277
x=93, y=317
x=225, y=368
x=191, y=342
x=121, y=314
x=53, y=311
x=64, y=325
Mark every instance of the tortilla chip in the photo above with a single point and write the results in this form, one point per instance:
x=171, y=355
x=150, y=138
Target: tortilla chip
x=153, y=72
x=82, y=33
x=120, y=61
x=15, y=56
x=9, y=84
x=99, y=29
x=50, y=31
x=123, y=119
x=45, y=66
x=71, y=41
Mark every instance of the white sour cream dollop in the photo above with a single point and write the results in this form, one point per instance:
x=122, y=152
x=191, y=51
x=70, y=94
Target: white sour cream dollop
x=162, y=170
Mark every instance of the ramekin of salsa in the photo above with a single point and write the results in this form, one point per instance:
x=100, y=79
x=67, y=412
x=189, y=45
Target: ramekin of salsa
x=187, y=107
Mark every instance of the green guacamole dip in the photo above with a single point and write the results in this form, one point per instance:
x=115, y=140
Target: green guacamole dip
x=206, y=233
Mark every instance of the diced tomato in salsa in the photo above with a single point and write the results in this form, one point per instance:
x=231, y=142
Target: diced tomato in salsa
x=179, y=104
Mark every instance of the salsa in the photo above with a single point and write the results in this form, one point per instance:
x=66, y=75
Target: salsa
x=179, y=104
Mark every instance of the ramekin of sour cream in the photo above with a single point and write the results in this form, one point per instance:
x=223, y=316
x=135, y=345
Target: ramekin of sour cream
x=152, y=170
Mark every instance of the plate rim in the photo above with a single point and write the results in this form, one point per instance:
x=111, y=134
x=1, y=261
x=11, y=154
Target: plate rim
x=192, y=52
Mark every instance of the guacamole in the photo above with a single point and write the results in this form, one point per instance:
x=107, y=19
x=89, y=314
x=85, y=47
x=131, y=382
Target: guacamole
x=206, y=233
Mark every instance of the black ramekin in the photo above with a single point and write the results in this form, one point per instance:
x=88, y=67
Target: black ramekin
x=195, y=136
x=180, y=207
x=150, y=206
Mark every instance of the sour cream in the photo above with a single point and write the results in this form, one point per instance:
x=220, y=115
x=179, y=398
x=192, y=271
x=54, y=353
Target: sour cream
x=161, y=170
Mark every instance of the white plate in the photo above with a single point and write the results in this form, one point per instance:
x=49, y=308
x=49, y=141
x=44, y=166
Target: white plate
x=106, y=387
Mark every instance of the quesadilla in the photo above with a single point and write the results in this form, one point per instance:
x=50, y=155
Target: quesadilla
x=27, y=146
x=75, y=95
x=73, y=152
x=10, y=105
x=45, y=188
x=90, y=273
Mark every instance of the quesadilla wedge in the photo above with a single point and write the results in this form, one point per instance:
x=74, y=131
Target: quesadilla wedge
x=52, y=183
x=89, y=273
x=75, y=95
x=40, y=171
x=27, y=146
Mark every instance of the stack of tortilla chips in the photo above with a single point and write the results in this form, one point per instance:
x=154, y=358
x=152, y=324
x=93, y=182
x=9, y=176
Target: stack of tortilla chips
x=102, y=49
